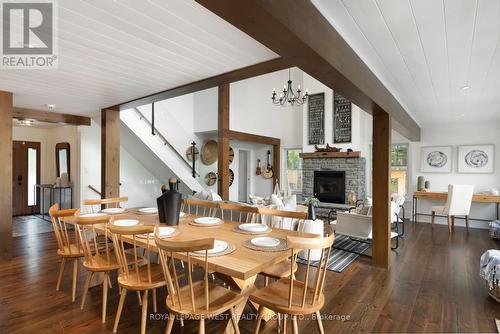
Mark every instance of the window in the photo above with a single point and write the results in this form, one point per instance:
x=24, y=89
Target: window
x=32, y=165
x=293, y=170
x=399, y=168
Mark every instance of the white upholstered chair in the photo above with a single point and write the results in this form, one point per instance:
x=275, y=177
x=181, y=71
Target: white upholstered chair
x=358, y=227
x=457, y=204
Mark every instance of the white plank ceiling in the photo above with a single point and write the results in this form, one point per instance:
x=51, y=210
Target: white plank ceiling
x=115, y=51
x=426, y=51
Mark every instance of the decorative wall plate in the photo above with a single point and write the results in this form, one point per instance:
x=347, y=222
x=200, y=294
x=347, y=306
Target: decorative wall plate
x=209, y=152
x=231, y=177
x=231, y=155
x=210, y=179
x=189, y=156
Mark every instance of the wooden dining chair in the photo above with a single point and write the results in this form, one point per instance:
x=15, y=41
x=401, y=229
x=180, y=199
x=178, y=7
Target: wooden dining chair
x=194, y=300
x=239, y=213
x=283, y=220
x=292, y=297
x=69, y=247
x=96, y=204
x=135, y=275
x=200, y=208
x=98, y=252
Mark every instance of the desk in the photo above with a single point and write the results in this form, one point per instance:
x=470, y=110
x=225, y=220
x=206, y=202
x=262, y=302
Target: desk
x=239, y=269
x=442, y=196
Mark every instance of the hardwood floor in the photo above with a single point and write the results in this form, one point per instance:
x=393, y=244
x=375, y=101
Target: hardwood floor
x=433, y=286
x=29, y=225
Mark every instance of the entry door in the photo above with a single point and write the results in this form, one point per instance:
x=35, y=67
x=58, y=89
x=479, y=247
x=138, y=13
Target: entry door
x=26, y=173
x=243, y=176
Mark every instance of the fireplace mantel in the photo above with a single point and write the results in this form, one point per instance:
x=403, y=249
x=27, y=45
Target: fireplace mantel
x=319, y=155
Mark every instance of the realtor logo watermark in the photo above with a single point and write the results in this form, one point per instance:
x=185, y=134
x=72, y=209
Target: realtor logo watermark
x=29, y=34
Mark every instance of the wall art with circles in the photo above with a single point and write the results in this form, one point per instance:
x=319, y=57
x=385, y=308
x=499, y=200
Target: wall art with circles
x=436, y=159
x=476, y=158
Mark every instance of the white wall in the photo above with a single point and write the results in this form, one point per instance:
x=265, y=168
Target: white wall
x=455, y=134
x=252, y=110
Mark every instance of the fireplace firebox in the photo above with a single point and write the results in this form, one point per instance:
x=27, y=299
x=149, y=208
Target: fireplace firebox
x=329, y=186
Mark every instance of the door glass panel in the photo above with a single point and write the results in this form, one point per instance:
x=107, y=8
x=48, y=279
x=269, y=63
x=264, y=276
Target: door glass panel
x=63, y=161
x=32, y=176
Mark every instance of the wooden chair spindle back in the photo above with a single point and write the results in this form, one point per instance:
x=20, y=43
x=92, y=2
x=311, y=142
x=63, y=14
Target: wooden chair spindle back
x=166, y=248
x=64, y=238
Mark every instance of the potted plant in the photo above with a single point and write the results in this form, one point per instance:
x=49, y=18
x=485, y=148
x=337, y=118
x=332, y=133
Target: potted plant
x=312, y=202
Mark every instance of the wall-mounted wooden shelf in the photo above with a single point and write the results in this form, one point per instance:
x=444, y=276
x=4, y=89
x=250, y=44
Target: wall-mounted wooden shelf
x=316, y=155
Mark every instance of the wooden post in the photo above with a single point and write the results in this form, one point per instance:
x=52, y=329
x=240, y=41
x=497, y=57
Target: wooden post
x=381, y=250
x=6, y=175
x=110, y=153
x=276, y=164
x=223, y=145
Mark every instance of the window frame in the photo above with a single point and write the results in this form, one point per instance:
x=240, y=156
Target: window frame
x=284, y=159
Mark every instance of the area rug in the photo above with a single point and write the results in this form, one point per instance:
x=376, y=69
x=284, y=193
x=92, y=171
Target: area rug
x=339, y=260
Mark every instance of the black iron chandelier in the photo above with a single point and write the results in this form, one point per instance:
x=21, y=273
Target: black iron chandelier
x=288, y=94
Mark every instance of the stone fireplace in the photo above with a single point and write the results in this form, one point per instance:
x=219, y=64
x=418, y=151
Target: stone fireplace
x=329, y=169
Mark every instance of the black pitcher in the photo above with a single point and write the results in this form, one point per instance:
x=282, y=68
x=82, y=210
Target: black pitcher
x=169, y=204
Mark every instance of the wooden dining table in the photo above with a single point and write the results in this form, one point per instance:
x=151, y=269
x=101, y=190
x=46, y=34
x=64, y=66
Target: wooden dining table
x=239, y=269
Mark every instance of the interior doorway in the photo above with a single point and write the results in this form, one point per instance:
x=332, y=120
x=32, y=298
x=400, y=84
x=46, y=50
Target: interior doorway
x=25, y=175
x=243, y=175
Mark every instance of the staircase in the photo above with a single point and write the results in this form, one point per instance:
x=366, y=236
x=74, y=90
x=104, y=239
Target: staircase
x=168, y=144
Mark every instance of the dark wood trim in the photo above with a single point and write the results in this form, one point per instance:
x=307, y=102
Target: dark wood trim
x=223, y=145
x=110, y=153
x=276, y=164
x=381, y=249
x=298, y=32
x=244, y=136
x=218, y=80
x=62, y=146
x=6, y=175
x=49, y=116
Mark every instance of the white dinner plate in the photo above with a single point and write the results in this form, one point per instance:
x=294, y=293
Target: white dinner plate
x=126, y=222
x=253, y=227
x=265, y=242
x=219, y=246
x=113, y=211
x=148, y=211
x=93, y=215
x=164, y=231
x=207, y=220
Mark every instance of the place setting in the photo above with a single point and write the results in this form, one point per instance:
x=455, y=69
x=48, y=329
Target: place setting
x=206, y=222
x=266, y=244
x=147, y=211
x=163, y=232
x=252, y=228
x=113, y=211
x=126, y=222
x=220, y=248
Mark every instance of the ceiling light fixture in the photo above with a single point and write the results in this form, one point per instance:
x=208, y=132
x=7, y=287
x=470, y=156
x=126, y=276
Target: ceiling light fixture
x=51, y=106
x=465, y=87
x=25, y=122
x=288, y=95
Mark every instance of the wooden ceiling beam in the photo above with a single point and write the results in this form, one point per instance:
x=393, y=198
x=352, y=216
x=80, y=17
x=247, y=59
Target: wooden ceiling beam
x=299, y=33
x=250, y=137
x=50, y=116
x=218, y=80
